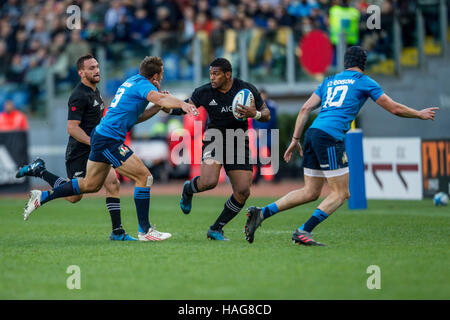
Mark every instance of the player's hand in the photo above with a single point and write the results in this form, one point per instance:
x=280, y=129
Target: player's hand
x=295, y=145
x=428, y=113
x=156, y=84
x=247, y=112
x=189, y=109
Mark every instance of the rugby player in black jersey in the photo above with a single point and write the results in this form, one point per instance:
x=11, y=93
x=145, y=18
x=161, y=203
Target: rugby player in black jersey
x=85, y=111
x=217, y=97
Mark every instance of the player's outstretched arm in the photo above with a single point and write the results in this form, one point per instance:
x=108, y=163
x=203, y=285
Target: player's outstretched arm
x=312, y=103
x=170, y=102
x=75, y=131
x=403, y=111
x=177, y=112
x=148, y=113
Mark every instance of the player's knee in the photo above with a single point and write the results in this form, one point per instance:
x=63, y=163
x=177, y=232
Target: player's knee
x=313, y=195
x=346, y=195
x=116, y=184
x=343, y=195
x=113, y=185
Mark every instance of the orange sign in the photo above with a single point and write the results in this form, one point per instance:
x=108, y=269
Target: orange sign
x=436, y=166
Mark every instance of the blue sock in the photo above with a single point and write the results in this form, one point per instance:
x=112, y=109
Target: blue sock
x=65, y=190
x=270, y=210
x=317, y=217
x=142, y=202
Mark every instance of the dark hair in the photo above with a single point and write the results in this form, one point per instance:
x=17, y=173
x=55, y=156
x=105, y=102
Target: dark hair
x=150, y=66
x=222, y=63
x=355, y=56
x=82, y=59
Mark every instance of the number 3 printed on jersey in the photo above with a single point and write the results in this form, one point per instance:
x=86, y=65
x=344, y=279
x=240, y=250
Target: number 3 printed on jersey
x=117, y=97
x=331, y=96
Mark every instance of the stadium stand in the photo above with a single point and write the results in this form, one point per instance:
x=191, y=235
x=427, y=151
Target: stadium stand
x=34, y=36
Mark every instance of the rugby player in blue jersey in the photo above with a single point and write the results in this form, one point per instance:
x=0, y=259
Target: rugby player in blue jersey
x=340, y=97
x=128, y=107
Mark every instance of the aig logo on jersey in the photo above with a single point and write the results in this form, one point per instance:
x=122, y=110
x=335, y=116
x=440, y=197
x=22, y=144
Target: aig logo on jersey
x=123, y=150
x=227, y=109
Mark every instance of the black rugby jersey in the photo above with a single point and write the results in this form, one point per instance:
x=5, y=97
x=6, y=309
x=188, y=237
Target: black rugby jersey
x=86, y=106
x=219, y=104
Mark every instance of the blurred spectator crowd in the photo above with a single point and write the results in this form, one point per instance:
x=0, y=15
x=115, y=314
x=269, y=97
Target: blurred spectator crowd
x=34, y=33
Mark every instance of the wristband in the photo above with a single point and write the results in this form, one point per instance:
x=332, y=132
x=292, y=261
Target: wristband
x=298, y=139
x=257, y=116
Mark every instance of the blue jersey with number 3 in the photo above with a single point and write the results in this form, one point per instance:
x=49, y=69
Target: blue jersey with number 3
x=126, y=107
x=342, y=96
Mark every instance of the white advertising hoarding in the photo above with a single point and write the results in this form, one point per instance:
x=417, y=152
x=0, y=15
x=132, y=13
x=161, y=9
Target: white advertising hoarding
x=393, y=168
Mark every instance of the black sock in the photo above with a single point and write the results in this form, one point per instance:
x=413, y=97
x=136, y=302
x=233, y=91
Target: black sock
x=53, y=180
x=230, y=210
x=113, y=205
x=192, y=187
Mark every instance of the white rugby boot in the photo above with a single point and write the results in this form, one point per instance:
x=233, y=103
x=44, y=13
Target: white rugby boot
x=33, y=203
x=153, y=235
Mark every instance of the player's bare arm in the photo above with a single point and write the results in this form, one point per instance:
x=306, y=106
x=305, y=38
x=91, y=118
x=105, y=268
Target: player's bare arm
x=148, y=113
x=403, y=111
x=312, y=103
x=166, y=110
x=170, y=102
x=74, y=129
x=251, y=112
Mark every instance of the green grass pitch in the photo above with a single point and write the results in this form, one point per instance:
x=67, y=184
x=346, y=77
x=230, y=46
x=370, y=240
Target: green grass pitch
x=408, y=240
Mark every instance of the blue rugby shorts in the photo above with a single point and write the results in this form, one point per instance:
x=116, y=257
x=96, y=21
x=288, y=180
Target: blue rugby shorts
x=323, y=155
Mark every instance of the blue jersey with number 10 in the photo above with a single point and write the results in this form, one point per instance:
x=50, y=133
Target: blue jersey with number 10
x=342, y=96
x=126, y=107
